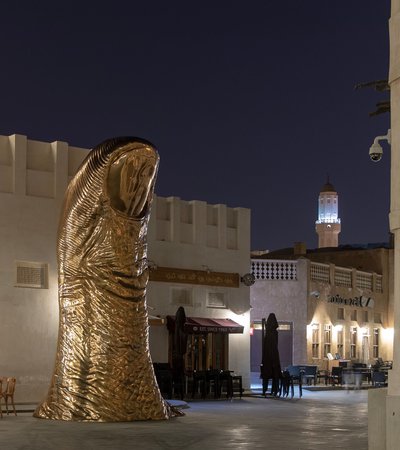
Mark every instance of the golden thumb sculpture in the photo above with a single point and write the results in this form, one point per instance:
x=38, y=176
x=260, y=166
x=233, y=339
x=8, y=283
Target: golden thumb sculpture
x=103, y=370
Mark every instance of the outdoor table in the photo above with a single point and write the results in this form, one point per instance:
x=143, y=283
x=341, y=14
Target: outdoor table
x=355, y=375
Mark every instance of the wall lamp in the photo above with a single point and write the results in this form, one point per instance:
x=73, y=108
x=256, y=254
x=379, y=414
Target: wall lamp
x=206, y=268
x=151, y=264
x=248, y=279
x=365, y=331
x=376, y=151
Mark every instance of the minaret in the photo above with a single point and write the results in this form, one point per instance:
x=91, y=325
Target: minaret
x=328, y=224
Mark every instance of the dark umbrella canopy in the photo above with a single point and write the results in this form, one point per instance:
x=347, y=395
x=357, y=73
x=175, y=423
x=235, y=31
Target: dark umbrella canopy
x=179, y=350
x=180, y=337
x=271, y=366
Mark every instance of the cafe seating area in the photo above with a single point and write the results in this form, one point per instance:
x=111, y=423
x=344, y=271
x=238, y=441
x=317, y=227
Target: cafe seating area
x=348, y=374
x=213, y=383
x=198, y=384
x=358, y=375
x=7, y=389
x=345, y=375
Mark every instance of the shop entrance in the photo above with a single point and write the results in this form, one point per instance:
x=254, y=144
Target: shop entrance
x=285, y=347
x=207, y=344
x=207, y=351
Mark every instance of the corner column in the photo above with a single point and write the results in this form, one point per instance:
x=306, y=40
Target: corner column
x=393, y=397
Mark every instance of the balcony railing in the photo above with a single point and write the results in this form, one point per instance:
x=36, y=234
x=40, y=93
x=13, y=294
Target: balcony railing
x=274, y=270
x=286, y=270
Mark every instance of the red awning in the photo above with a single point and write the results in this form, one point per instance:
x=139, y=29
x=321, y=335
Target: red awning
x=200, y=325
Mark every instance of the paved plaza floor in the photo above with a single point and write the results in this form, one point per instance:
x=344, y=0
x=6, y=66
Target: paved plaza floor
x=319, y=420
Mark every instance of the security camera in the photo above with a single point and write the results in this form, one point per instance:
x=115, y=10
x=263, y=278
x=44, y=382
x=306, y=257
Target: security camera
x=375, y=152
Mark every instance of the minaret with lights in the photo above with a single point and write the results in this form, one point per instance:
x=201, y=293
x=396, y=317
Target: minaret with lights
x=328, y=224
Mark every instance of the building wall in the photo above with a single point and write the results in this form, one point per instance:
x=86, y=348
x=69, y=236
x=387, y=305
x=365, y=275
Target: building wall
x=349, y=300
x=198, y=236
x=284, y=295
x=33, y=178
x=373, y=259
x=192, y=235
x=312, y=300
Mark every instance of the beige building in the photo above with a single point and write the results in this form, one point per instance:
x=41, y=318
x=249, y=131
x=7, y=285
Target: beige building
x=209, y=248
x=198, y=254
x=325, y=309
x=331, y=302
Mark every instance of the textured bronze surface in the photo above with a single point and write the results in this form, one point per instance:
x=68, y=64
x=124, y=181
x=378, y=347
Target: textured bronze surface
x=103, y=369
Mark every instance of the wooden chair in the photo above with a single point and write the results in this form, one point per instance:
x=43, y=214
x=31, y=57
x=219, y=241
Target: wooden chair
x=164, y=378
x=295, y=374
x=323, y=374
x=379, y=379
x=310, y=374
x=1, y=396
x=237, y=385
x=225, y=381
x=336, y=375
x=8, y=394
x=199, y=381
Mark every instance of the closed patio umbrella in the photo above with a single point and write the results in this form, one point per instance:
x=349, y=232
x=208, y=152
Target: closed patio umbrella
x=179, y=350
x=271, y=366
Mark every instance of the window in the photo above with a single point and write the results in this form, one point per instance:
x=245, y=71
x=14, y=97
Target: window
x=365, y=344
x=31, y=274
x=375, y=347
x=377, y=318
x=327, y=340
x=353, y=342
x=181, y=296
x=353, y=315
x=365, y=316
x=315, y=340
x=340, y=313
x=216, y=300
x=340, y=341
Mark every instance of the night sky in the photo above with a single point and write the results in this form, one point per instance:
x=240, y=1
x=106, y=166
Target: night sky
x=250, y=104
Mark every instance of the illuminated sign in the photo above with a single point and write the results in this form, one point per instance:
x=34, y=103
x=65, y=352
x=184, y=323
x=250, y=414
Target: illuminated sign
x=361, y=301
x=173, y=275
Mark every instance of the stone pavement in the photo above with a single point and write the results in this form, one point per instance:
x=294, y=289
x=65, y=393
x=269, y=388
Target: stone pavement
x=320, y=420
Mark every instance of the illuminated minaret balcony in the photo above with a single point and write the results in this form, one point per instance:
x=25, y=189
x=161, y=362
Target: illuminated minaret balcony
x=328, y=224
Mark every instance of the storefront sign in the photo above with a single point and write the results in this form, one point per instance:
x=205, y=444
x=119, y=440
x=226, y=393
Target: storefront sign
x=194, y=329
x=361, y=302
x=201, y=325
x=203, y=277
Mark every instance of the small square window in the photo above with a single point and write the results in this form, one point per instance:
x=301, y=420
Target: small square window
x=181, y=296
x=216, y=300
x=31, y=274
x=377, y=318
